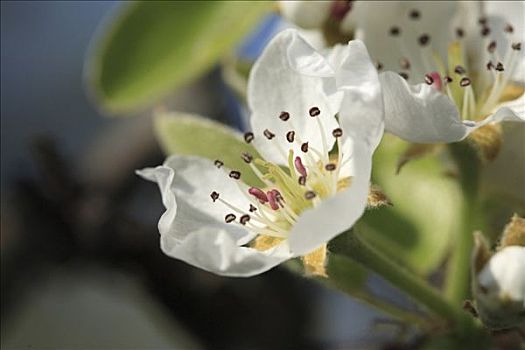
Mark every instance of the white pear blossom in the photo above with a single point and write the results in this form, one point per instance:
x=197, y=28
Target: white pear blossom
x=391, y=29
x=315, y=166
x=370, y=20
x=500, y=288
x=453, y=76
x=460, y=63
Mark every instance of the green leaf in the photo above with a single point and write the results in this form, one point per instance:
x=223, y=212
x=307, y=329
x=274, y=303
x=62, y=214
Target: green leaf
x=417, y=230
x=346, y=274
x=153, y=47
x=186, y=134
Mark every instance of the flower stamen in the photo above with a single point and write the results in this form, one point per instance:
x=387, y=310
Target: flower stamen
x=234, y=174
x=309, y=195
x=268, y=134
x=284, y=116
x=290, y=136
x=248, y=137
x=244, y=219
x=230, y=218
x=259, y=194
x=300, y=167
x=247, y=157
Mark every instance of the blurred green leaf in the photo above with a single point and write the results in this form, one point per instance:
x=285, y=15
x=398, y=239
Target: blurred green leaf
x=153, y=47
x=185, y=134
x=417, y=230
x=346, y=274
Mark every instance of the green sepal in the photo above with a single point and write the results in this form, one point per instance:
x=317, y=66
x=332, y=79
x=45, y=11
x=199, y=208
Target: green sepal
x=187, y=134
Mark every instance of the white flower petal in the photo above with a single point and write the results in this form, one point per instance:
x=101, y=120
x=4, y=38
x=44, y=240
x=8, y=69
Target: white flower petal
x=334, y=215
x=362, y=114
x=500, y=13
x=193, y=229
x=517, y=107
x=374, y=20
x=306, y=14
x=479, y=55
x=215, y=250
x=186, y=184
x=513, y=111
x=419, y=113
x=291, y=76
x=361, y=118
x=503, y=276
x=422, y=114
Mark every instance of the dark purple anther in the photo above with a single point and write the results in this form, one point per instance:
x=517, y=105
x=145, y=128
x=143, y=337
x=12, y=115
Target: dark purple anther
x=314, y=111
x=424, y=39
x=230, y=218
x=395, y=31
x=248, y=137
x=284, y=116
x=244, y=219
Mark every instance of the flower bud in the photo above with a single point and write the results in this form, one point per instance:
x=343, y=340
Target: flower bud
x=499, y=288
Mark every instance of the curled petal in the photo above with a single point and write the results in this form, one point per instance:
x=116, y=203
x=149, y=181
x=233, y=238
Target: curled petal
x=419, y=113
x=336, y=214
x=217, y=251
x=512, y=111
x=290, y=76
x=362, y=113
x=193, y=229
x=361, y=118
x=185, y=183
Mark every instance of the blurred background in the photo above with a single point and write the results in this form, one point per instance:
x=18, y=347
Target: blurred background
x=80, y=260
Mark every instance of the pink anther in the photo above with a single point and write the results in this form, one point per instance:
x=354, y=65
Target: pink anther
x=434, y=79
x=272, y=199
x=278, y=197
x=299, y=166
x=259, y=194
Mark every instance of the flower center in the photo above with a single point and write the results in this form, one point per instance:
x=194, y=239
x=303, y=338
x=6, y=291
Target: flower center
x=476, y=88
x=308, y=178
